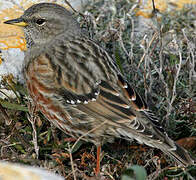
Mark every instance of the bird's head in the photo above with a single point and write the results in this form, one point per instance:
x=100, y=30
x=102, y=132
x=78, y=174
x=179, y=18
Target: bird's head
x=42, y=22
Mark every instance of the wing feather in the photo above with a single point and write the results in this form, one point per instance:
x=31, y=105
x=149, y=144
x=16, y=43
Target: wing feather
x=107, y=90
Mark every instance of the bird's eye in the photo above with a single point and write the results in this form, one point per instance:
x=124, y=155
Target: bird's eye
x=40, y=22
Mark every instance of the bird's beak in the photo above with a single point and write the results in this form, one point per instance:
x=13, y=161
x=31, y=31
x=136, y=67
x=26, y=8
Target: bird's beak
x=17, y=22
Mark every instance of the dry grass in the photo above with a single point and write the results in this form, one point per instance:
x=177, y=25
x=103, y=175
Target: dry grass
x=159, y=63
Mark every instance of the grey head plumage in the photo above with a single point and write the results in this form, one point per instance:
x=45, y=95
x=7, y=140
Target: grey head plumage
x=42, y=24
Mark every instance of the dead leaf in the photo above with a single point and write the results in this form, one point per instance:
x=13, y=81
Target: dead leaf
x=188, y=143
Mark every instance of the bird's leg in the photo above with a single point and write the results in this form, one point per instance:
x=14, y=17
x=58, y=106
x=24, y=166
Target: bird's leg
x=97, y=170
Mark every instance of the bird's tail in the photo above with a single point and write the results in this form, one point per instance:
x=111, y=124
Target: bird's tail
x=181, y=156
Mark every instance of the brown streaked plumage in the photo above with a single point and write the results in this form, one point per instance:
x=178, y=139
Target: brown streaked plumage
x=77, y=86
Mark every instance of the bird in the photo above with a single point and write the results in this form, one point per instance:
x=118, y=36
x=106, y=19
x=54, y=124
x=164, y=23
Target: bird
x=78, y=87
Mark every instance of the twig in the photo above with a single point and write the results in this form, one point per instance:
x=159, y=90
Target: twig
x=71, y=159
x=193, y=57
x=132, y=33
x=154, y=175
x=74, y=9
x=9, y=145
x=147, y=49
x=32, y=119
x=101, y=125
x=176, y=78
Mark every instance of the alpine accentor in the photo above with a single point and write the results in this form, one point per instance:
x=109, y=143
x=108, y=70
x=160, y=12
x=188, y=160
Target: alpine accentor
x=77, y=86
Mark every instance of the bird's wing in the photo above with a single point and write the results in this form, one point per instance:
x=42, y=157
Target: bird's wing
x=89, y=78
x=91, y=83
